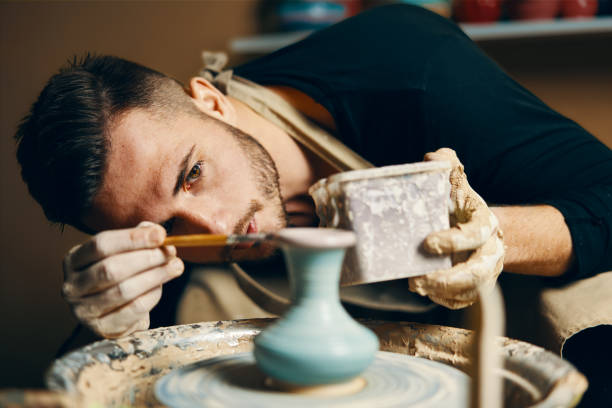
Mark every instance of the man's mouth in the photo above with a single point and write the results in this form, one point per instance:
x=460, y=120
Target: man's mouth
x=250, y=229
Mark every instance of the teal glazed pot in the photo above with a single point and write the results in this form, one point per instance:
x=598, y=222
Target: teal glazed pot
x=316, y=342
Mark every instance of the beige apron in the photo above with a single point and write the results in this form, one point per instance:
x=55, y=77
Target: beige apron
x=558, y=313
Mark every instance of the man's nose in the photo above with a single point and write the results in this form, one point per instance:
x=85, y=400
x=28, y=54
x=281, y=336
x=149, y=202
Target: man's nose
x=194, y=221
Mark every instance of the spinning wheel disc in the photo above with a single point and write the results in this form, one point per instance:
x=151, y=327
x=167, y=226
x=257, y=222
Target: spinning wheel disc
x=393, y=380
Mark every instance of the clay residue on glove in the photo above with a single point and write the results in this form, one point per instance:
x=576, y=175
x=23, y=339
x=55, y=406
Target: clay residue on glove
x=474, y=237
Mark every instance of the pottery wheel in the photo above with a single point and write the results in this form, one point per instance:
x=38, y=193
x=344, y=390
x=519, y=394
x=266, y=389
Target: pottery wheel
x=392, y=380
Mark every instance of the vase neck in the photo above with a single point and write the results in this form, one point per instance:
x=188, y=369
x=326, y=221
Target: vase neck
x=314, y=273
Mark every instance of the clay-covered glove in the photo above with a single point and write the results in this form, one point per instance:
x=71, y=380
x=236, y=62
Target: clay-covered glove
x=113, y=280
x=474, y=242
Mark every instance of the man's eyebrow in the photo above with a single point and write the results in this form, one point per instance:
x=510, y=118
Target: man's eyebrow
x=183, y=169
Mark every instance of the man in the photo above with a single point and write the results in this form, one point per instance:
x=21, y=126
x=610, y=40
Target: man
x=110, y=145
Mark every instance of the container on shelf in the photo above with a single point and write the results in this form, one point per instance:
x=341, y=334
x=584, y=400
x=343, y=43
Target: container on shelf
x=579, y=8
x=298, y=15
x=442, y=7
x=477, y=11
x=534, y=9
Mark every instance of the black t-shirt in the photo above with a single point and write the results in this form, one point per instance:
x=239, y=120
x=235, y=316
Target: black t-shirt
x=401, y=81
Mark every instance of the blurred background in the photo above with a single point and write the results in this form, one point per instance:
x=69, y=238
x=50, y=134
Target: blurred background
x=559, y=49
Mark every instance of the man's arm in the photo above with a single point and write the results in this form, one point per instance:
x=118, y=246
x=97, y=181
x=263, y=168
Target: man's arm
x=519, y=152
x=537, y=240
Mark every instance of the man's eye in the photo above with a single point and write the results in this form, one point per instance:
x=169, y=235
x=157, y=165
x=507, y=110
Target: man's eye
x=194, y=174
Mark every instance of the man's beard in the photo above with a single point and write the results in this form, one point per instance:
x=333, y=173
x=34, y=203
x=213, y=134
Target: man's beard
x=267, y=181
x=266, y=174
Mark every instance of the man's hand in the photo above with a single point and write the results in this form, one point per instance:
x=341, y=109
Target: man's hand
x=114, y=279
x=474, y=235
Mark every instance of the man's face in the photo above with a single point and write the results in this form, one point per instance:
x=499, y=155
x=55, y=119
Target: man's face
x=190, y=174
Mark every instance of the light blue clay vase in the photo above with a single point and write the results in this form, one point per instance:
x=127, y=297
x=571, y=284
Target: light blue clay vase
x=316, y=341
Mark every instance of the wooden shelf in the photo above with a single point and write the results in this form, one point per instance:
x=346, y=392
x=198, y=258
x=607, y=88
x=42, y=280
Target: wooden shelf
x=530, y=29
x=266, y=43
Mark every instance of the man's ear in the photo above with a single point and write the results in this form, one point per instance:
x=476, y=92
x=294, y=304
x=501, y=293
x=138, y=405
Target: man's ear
x=211, y=101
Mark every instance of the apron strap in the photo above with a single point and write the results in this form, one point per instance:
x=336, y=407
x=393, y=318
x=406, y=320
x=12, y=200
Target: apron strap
x=278, y=111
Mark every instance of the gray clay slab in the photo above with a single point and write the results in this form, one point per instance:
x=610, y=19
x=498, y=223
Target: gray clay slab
x=391, y=209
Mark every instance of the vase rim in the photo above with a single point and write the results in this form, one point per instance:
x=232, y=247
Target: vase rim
x=316, y=237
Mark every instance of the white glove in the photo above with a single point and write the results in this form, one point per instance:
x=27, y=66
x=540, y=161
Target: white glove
x=113, y=280
x=474, y=241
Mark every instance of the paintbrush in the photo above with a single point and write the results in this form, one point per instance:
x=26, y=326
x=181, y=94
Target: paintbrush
x=218, y=240
x=304, y=237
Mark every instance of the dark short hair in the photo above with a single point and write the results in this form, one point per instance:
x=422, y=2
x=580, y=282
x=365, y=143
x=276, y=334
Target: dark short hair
x=62, y=141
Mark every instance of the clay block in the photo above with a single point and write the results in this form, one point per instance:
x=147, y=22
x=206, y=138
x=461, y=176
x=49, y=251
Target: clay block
x=391, y=209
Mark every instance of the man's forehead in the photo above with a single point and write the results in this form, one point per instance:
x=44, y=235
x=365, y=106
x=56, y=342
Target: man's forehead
x=135, y=131
x=139, y=162
x=137, y=141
